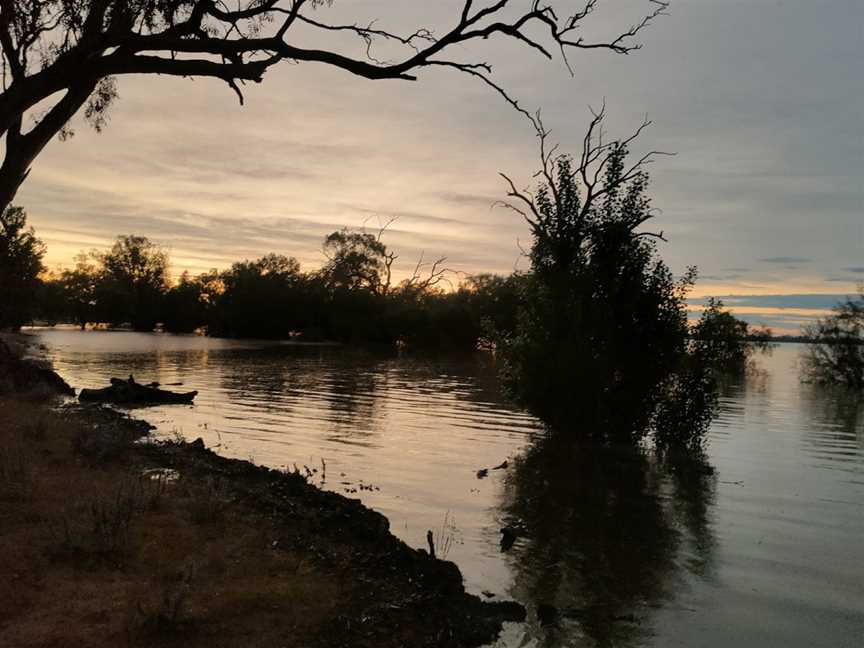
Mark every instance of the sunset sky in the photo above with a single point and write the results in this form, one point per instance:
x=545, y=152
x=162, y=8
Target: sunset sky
x=761, y=100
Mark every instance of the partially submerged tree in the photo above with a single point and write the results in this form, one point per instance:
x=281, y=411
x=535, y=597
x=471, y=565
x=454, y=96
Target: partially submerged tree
x=603, y=326
x=20, y=264
x=80, y=287
x=836, y=353
x=724, y=341
x=135, y=277
x=260, y=298
x=719, y=344
x=184, y=307
x=60, y=55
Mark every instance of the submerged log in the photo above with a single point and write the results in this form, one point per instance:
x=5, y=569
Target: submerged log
x=129, y=392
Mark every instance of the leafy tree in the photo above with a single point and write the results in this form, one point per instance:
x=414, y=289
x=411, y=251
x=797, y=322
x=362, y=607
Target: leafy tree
x=184, y=307
x=724, y=341
x=493, y=301
x=80, y=288
x=50, y=298
x=603, y=323
x=484, y=306
x=134, y=279
x=836, y=353
x=20, y=264
x=67, y=54
x=356, y=261
x=365, y=307
x=260, y=298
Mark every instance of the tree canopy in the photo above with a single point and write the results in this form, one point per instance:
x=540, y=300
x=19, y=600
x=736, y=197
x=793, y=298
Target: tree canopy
x=725, y=341
x=355, y=261
x=69, y=54
x=135, y=272
x=602, y=334
x=836, y=352
x=20, y=264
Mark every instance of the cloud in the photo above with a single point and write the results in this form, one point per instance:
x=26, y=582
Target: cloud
x=782, y=313
x=786, y=259
x=315, y=149
x=846, y=280
x=727, y=277
x=470, y=200
x=820, y=302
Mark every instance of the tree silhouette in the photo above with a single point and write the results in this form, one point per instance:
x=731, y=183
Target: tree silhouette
x=20, y=264
x=79, y=287
x=135, y=276
x=356, y=261
x=602, y=321
x=601, y=335
x=264, y=298
x=836, y=354
x=725, y=341
x=72, y=52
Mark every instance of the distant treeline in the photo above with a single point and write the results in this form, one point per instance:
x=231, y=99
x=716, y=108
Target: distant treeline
x=351, y=299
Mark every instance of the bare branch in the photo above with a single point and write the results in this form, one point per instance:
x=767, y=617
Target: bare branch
x=51, y=46
x=570, y=190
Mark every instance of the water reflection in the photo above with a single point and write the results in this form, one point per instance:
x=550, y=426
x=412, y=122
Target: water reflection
x=624, y=545
x=604, y=536
x=836, y=431
x=835, y=409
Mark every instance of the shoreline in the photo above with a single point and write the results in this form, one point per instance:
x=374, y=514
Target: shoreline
x=374, y=589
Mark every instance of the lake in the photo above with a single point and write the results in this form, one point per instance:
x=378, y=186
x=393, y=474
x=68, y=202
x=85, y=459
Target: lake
x=613, y=548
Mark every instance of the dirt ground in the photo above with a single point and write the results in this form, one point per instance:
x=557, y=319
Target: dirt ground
x=105, y=541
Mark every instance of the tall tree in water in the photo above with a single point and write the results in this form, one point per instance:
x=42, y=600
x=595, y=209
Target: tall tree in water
x=80, y=285
x=135, y=277
x=20, y=264
x=59, y=56
x=728, y=341
x=261, y=298
x=836, y=355
x=602, y=333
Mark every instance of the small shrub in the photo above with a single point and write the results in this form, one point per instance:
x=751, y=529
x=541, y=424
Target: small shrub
x=90, y=446
x=16, y=470
x=446, y=536
x=100, y=444
x=37, y=428
x=169, y=614
x=101, y=528
x=208, y=500
x=156, y=482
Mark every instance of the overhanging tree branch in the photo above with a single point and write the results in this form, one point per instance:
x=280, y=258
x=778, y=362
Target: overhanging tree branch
x=57, y=46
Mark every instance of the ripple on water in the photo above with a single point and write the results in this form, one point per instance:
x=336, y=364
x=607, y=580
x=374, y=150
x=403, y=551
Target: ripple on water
x=766, y=552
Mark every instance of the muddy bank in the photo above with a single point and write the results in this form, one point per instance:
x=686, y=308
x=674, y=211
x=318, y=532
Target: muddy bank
x=206, y=551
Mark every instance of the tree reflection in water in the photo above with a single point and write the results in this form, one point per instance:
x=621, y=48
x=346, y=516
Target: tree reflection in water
x=605, y=535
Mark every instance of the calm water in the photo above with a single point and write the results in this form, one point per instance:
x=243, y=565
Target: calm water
x=767, y=551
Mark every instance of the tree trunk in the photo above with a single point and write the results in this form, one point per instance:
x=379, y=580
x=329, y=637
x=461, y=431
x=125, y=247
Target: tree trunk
x=8, y=188
x=22, y=149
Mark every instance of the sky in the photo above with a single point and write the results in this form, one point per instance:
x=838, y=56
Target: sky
x=762, y=102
